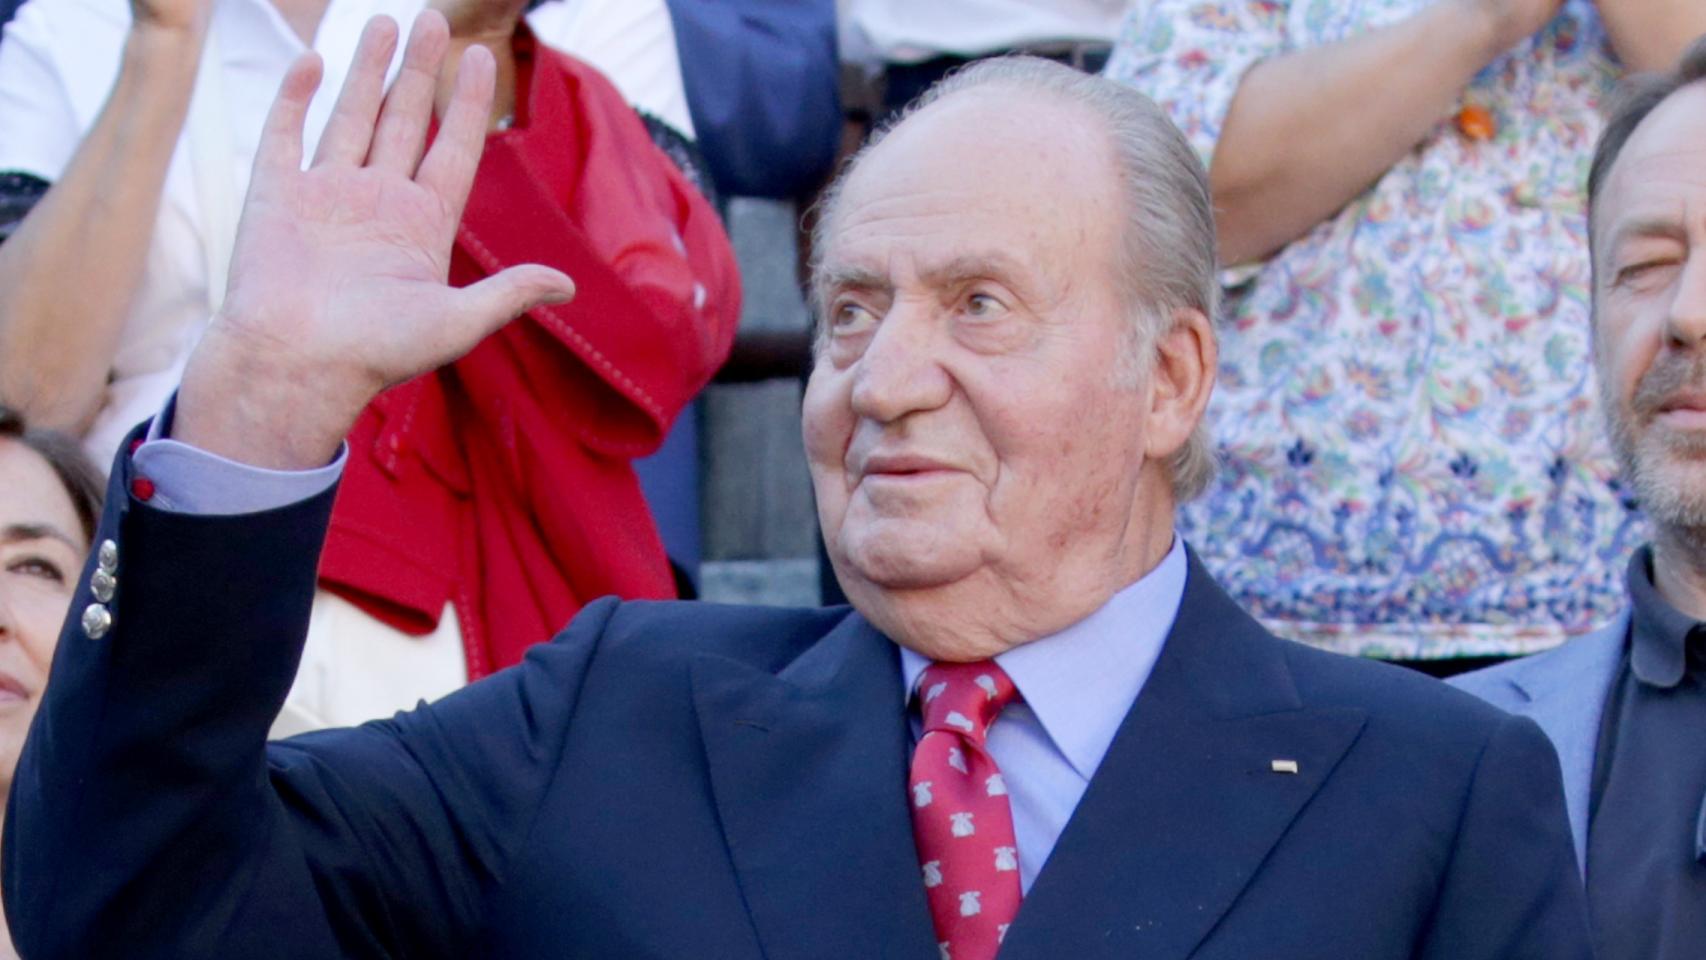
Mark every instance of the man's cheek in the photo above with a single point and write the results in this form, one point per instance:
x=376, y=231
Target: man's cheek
x=826, y=432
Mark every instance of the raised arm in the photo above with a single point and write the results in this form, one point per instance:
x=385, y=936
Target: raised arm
x=1651, y=34
x=148, y=816
x=69, y=273
x=149, y=819
x=1309, y=131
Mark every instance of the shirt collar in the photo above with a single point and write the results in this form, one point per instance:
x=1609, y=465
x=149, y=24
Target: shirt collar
x=1082, y=681
x=1658, y=632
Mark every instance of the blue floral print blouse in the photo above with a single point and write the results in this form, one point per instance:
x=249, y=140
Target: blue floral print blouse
x=1412, y=463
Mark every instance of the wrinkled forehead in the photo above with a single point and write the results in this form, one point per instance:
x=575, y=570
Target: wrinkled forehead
x=987, y=174
x=1658, y=183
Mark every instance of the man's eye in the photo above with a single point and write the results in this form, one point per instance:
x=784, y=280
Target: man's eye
x=1636, y=271
x=37, y=567
x=983, y=305
x=850, y=317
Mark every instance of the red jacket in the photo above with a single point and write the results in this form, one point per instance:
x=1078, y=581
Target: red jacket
x=503, y=483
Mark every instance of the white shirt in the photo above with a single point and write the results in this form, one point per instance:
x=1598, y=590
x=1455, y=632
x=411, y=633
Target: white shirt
x=60, y=59
x=631, y=42
x=908, y=31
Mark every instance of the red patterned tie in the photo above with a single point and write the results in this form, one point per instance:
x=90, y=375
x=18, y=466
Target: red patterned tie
x=960, y=814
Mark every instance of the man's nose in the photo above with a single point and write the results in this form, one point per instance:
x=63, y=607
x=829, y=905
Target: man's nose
x=901, y=370
x=1686, y=325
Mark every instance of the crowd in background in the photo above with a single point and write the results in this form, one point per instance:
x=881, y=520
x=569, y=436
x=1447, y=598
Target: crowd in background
x=1410, y=462
x=1411, y=459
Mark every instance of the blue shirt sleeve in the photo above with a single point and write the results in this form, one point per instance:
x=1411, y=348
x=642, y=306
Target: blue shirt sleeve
x=191, y=480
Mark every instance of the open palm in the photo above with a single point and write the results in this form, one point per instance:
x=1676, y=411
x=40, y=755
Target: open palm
x=338, y=277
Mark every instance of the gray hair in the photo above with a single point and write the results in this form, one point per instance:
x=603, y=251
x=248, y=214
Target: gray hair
x=1169, y=261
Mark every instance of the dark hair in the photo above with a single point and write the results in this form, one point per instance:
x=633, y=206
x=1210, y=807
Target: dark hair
x=1633, y=103
x=77, y=474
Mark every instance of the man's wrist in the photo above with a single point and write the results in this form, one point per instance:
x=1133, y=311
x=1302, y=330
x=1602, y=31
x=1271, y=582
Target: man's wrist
x=158, y=75
x=1481, y=26
x=175, y=48
x=237, y=404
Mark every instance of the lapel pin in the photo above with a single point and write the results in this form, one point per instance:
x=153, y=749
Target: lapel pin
x=1285, y=766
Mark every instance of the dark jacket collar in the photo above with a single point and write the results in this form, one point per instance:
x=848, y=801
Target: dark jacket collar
x=1659, y=633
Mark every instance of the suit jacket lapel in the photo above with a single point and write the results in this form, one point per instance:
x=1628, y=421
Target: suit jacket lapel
x=1186, y=804
x=809, y=769
x=1566, y=690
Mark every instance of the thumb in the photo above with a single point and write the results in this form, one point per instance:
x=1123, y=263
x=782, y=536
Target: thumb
x=502, y=297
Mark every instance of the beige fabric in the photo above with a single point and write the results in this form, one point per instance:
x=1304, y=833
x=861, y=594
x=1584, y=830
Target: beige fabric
x=355, y=668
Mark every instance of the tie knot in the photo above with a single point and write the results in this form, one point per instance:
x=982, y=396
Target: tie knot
x=964, y=698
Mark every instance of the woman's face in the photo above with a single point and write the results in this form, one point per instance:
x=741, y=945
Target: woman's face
x=42, y=546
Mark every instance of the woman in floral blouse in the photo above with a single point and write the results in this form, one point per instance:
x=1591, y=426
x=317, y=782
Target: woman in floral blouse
x=1411, y=458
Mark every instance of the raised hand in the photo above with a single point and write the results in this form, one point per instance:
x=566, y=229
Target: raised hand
x=338, y=277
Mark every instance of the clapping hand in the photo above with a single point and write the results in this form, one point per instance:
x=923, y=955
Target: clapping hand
x=338, y=277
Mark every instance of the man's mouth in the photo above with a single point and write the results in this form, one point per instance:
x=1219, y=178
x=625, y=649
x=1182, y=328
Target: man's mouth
x=1684, y=410
x=903, y=465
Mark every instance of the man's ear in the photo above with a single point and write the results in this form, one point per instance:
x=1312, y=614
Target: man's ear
x=1186, y=358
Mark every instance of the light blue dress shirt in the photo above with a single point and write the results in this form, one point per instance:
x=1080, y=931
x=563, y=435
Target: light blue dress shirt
x=191, y=480
x=1077, y=685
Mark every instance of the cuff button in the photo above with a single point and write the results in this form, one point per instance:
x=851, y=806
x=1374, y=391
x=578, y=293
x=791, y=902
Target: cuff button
x=97, y=620
x=102, y=584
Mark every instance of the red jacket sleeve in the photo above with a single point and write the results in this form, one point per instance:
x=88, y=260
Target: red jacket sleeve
x=577, y=184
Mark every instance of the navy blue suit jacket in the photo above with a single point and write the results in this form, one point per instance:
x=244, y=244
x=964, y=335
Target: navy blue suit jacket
x=685, y=780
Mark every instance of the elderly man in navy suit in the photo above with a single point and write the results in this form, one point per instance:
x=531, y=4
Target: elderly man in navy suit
x=1041, y=730
x=1626, y=705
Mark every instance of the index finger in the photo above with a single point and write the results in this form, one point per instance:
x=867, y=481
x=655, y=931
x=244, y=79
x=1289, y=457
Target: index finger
x=449, y=166
x=280, y=148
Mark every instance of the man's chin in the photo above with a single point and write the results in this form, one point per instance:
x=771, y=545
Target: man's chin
x=1675, y=440
x=907, y=573
x=897, y=563
x=1670, y=485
